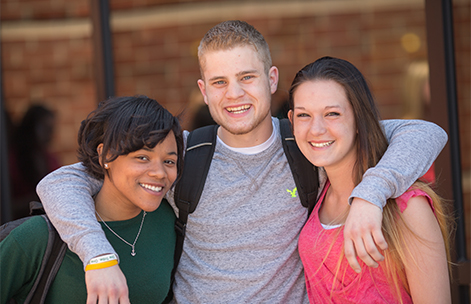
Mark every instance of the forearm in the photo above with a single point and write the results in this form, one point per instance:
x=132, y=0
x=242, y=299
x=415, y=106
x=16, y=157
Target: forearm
x=413, y=147
x=67, y=198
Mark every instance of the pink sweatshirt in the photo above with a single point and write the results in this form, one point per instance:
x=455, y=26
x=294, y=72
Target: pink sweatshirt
x=370, y=286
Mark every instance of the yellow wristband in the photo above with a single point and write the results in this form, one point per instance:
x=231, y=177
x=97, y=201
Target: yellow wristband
x=101, y=265
x=103, y=261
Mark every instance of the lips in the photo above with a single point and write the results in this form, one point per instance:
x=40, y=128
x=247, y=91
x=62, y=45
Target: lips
x=322, y=144
x=238, y=110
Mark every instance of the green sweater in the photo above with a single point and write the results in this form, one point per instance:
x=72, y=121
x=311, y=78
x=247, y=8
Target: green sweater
x=147, y=273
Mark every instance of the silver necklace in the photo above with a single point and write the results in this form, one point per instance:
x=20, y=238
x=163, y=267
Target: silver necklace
x=133, y=252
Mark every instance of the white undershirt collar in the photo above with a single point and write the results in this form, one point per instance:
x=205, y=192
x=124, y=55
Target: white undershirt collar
x=254, y=149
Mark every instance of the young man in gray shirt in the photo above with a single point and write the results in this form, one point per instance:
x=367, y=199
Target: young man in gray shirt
x=241, y=241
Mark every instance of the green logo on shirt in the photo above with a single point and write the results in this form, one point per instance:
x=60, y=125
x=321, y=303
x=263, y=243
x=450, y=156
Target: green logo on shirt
x=293, y=193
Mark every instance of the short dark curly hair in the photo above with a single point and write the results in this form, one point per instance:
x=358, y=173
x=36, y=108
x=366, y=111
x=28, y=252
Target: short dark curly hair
x=125, y=125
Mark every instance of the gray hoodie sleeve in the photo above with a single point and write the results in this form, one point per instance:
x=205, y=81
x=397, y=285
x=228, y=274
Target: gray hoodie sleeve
x=67, y=198
x=413, y=147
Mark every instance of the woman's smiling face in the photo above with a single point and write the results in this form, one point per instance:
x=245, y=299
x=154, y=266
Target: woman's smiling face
x=324, y=124
x=139, y=180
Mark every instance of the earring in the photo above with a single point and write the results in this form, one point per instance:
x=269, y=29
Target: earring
x=106, y=166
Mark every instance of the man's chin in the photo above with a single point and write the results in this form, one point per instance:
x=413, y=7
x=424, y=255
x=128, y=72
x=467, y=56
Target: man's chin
x=236, y=128
x=241, y=128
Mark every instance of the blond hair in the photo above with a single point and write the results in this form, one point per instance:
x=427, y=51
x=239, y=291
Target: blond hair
x=394, y=230
x=230, y=34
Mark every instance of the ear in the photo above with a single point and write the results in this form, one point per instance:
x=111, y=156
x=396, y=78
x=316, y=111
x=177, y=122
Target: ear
x=202, y=87
x=99, y=149
x=290, y=117
x=273, y=77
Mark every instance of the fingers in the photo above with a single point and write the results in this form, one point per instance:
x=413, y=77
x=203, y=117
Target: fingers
x=351, y=255
x=124, y=299
x=380, y=240
x=91, y=298
x=363, y=237
x=368, y=252
x=108, y=297
x=365, y=248
x=106, y=286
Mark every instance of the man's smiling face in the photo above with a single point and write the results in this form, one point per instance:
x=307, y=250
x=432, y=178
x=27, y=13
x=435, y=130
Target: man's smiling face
x=237, y=89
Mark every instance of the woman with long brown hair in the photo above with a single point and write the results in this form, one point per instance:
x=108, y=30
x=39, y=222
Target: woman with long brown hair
x=336, y=126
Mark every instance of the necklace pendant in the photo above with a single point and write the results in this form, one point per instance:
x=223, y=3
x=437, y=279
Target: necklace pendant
x=133, y=252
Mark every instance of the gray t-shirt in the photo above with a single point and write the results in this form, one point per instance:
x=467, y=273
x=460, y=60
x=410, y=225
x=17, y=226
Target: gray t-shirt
x=244, y=232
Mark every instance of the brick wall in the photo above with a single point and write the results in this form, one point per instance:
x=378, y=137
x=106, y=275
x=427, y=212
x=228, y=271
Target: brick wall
x=44, y=72
x=43, y=9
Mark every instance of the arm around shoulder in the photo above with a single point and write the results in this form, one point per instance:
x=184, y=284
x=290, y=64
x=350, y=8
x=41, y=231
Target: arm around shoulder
x=67, y=198
x=413, y=147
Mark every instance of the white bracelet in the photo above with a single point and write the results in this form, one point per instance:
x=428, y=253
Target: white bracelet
x=103, y=258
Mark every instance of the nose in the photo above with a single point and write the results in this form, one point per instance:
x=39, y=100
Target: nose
x=157, y=170
x=234, y=90
x=317, y=126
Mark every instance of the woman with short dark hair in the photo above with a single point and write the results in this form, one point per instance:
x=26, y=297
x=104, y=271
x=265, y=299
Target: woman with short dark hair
x=135, y=146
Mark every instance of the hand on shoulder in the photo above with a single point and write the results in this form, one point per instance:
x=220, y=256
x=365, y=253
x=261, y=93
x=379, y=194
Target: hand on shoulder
x=106, y=285
x=363, y=235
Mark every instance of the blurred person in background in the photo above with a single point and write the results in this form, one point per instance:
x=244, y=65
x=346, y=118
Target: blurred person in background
x=30, y=156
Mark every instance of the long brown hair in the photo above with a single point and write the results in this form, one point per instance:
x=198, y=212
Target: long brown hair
x=371, y=144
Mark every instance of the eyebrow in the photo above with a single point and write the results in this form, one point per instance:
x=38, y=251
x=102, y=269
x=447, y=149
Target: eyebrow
x=215, y=78
x=334, y=106
x=150, y=150
x=238, y=75
x=327, y=107
x=247, y=72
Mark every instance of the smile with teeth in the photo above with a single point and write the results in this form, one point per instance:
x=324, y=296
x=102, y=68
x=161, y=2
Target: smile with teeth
x=238, y=110
x=152, y=188
x=322, y=145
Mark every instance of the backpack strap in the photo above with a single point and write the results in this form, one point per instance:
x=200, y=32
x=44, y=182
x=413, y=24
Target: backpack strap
x=305, y=174
x=35, y=208
x=198, y=156
x=52, y=260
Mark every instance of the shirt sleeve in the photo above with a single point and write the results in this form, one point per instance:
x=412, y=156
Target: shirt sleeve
x=403, y=200
x=413, y=147
x=67, y=197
